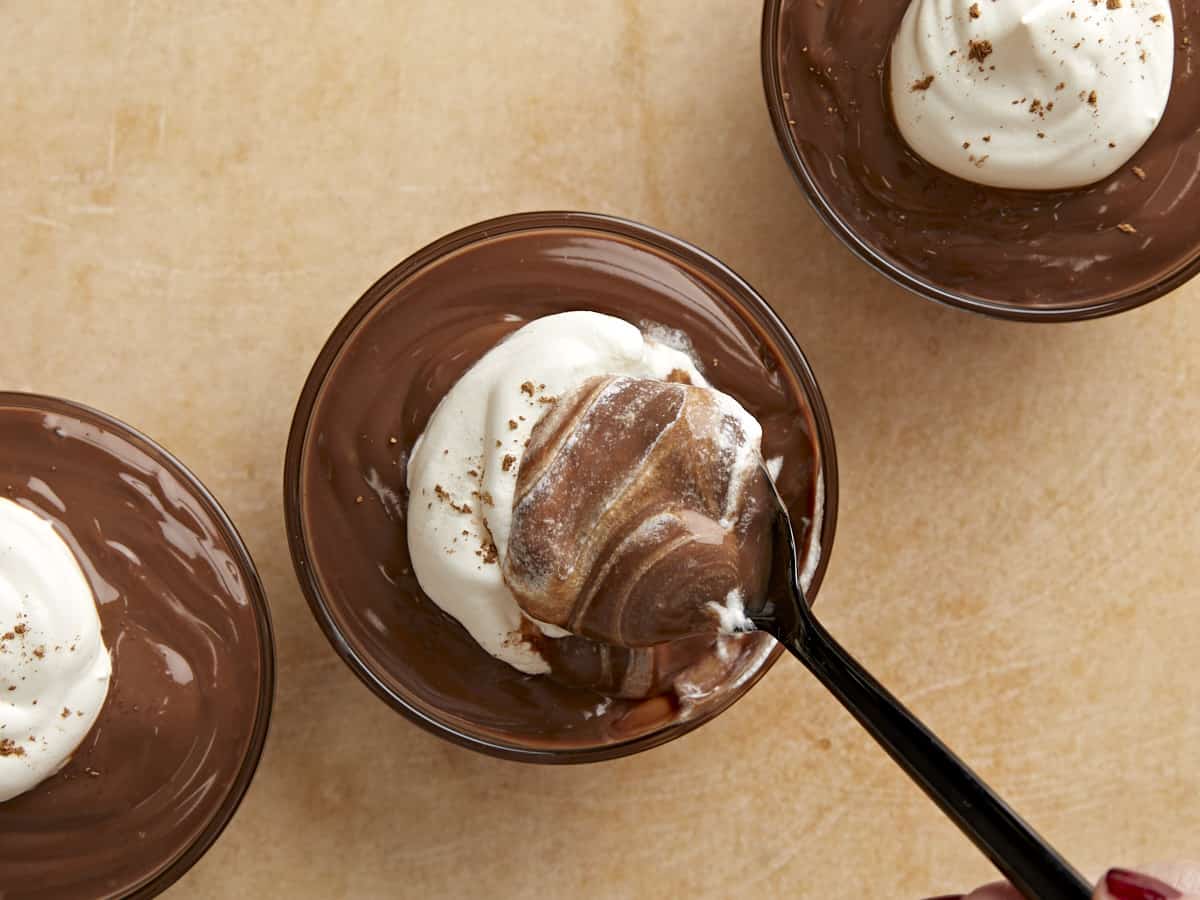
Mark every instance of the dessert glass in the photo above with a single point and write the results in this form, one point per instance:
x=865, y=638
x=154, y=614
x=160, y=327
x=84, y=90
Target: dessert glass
x=896, y=271
x=351, y=638
x=172, y=869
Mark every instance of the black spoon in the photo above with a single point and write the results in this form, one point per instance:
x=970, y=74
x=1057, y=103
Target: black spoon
x=1025, y=858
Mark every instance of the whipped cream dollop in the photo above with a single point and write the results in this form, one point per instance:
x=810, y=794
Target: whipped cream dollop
x=54, y=666
x=462, y=473
x=1031, y=94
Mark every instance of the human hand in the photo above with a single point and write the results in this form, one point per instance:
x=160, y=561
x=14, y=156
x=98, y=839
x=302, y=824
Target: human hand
x=1178, y=881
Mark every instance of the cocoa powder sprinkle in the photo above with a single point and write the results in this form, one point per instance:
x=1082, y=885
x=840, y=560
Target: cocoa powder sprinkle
x=9, y=747
x=980, y=50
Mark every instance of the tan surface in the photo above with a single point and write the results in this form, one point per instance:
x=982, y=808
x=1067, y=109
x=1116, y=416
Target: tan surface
x=193, y=193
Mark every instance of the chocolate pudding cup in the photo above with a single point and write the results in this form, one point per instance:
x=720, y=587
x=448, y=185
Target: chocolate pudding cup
x=370, y=394
x=186, y=623
x=1040, y=256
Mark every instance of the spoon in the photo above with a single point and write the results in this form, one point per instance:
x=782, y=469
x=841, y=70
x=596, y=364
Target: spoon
x=1025, y=858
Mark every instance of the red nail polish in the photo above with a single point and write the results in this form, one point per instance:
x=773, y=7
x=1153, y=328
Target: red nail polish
x=1126, y=885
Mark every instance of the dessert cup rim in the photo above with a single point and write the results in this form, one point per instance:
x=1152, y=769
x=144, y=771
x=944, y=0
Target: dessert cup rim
x=614, y=227
x=177, y=867
x=898, y=274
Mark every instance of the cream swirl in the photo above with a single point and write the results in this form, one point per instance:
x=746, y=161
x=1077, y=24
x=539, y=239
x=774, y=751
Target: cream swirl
x=1031, y=94
x=640, y=504
x=54, y=666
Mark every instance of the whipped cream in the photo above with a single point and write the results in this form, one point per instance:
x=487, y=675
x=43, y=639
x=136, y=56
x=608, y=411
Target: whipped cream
x=732, y=613
x=1031, y=94
x=462, y=473
x=54, y=667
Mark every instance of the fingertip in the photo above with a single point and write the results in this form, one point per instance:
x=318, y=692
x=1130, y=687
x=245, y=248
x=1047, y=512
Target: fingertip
x=1122, y=884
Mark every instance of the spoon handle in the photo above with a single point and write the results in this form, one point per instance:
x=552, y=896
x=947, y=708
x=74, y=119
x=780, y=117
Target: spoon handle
x=1024, y=857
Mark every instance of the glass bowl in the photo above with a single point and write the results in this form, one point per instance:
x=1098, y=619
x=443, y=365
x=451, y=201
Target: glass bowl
x=399, y=645
x=193, y=812
x=790, y=133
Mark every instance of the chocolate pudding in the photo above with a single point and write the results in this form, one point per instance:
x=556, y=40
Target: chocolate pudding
x=1052, y=253
x=184, y=618
x=371, y=396
x=640, y=506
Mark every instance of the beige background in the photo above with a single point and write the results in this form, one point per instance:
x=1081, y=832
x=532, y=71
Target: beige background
x=192, y=194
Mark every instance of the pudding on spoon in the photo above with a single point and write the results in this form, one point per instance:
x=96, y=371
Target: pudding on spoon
x=489, y=527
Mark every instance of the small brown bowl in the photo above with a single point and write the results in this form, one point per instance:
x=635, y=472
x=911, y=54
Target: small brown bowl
x=359, y=585
x=155, y=782
x=1036, y=256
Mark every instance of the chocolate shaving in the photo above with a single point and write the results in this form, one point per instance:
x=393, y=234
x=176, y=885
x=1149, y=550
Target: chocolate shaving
x=8, y=747
x=980, y=50
x=923, y=84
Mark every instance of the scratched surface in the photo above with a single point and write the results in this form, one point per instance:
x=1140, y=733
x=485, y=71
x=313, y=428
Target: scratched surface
x=191, y=194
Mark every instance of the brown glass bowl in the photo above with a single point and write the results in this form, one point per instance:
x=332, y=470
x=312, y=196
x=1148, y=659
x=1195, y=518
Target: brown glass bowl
x=198, y=813
x=791, y=133
x=412, y=677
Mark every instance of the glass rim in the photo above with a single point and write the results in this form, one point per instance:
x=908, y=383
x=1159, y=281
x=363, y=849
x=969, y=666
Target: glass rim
x=178, y=866
x=900, y=275
x=774, y=330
